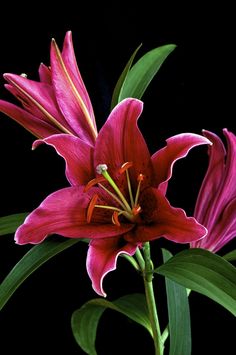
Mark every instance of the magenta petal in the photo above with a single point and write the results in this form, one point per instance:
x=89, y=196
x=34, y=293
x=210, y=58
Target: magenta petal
x=212, y=181
x=64, y=213
x=69, y=98
x=69, y=59
x=165, y=221
x=39, y=99
x=37, y=127
x=78, y=156
x=227, y=189
x=120, y=141
x=216, y=202
x=220, y=232
x=177, y=147
x=102, y=258
x=45, y=74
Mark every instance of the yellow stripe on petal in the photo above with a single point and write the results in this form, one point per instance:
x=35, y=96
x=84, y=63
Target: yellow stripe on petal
x=75, y=91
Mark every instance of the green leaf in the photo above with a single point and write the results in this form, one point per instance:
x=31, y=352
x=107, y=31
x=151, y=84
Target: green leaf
x=231, y=256
x=9, y=224
x=30, y=262
x=179, y=315
x=204, y=272
x=141, y=74
x=121, y=80
x=85, y=320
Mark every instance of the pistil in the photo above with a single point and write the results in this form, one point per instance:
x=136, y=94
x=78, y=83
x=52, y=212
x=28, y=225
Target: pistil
x=102, y=169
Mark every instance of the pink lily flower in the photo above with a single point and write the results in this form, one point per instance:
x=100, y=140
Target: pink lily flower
x=216, y=203
x=59, y=103
x=117, y=194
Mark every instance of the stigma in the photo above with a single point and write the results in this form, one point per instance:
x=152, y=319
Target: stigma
x=129, y=207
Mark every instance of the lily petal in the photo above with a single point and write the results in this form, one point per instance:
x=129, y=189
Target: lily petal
x=102, y=258
x=212, y=181
x=177, y=147
x=216, y=202
x=227, y=189
x=39, y=99
x=221, y=232
x=121, y=141
x=165, y=220
x=69, y=98
x=34, y=125
x=69, y=59
x=64, y=213
x=45, y=74
x=78, y=156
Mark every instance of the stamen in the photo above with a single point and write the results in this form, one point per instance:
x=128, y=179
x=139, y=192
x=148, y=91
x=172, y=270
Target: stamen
x=91, y=208
x=93, y=182
x=136, y=210
x=125, y=167
x=112, y=195
x=140, y=179
x=109, y=208
x=102, y=169
x=115, y=219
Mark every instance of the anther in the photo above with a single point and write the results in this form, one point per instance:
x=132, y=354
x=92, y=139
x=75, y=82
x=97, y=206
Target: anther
x=115, y=219
x=93, y=182
x=91, y=208
x=136, y=210
x=125, y=167
x=140, y=177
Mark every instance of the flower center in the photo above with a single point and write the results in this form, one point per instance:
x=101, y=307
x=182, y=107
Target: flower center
x=129, y=209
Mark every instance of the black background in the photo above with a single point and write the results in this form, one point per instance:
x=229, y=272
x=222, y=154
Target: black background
x=192, y=91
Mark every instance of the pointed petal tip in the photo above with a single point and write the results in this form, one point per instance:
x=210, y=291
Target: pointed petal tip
x=5, y=75
x=226, y=131
x=53, y=43
x=69, y=34
x=37, y=143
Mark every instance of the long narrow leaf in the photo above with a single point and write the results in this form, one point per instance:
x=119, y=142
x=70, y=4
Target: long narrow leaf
x=9, y=224
x=141, y=74
x=121, y=80
x=179, y=315
x=204, y=272
x=30, y=262
x=231, y=256
x=85, y=320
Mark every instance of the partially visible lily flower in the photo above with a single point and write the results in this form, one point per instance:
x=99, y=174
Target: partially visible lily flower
x=59, y=103
x=216, y=203
x=117, y=194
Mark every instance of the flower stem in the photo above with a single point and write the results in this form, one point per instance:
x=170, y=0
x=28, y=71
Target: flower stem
x=147, y=271
x=132, y=261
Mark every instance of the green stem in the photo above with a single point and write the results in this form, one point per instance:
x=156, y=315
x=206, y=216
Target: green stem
x=139, y=257
x=153, y=316
x=132, y=261
x=165, y=334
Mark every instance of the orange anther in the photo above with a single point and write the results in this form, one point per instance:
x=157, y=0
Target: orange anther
x=125, y=167
x=93, y=182
x=115, y=219
x=140, y=177
x=136, y=210
x=91, y=207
